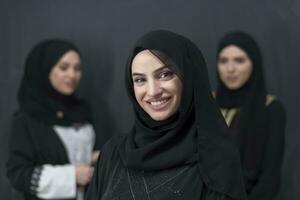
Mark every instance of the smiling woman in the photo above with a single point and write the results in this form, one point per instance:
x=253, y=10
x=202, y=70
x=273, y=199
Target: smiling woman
x=51, y=148
x=255, y=118
x=157, y=88
x=178, y=147
x=66, y=73
x=234, y=67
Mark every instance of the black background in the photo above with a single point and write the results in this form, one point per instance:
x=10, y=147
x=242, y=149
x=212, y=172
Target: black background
x=105, y=30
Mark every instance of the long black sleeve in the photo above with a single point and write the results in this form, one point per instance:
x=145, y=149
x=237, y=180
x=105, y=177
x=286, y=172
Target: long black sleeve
x=268, y=183
x=20, y=164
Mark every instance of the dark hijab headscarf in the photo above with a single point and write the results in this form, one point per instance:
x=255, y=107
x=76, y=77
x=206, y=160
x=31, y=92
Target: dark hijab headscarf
x=196, y=134
x=251, y=132
x=36, y=95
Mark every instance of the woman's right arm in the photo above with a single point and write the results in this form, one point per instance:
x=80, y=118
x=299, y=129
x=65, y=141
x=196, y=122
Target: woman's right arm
x=44, y=181
x=21, y=160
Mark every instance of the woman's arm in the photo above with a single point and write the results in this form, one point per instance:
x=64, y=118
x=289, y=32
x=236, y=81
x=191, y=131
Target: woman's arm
x=21, y=160
x=44, y=181
x=56, y=182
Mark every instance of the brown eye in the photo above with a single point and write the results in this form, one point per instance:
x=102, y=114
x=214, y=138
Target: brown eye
x=166, y=75
x=78, y=67
x=240, y=60
x=63, y=67
x=139, y=80
x=223, y=60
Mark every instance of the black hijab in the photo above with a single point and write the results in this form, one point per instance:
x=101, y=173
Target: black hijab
x=36, y=95
x=250, y=98
x=197, y=133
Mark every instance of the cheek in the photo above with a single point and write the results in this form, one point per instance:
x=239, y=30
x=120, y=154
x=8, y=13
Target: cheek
x=54, y=78
x=221, y=70
x=175, y=88
x=138, y=92
x=223, y=77
x=246, y=71
x=177, y=91
x=78, y=76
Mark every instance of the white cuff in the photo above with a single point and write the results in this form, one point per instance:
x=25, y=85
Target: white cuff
x=57, y=181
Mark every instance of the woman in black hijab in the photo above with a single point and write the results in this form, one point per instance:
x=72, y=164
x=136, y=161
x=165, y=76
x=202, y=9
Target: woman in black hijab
x=255, y=118
x=178, y=146
x=52, y=136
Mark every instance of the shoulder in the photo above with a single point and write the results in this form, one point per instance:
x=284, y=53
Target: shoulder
x=24, y=119
x=276, y=113
x=21, y=116
x=22, y=123
x=109, y=157
x=274, y=106
x=110, y=148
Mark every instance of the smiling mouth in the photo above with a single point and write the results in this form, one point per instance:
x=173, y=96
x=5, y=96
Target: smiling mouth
x=232, y=78
x=71, y=84
x=159, y=104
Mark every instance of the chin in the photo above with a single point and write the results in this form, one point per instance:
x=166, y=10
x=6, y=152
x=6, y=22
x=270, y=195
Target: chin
x=67, y=92
x=233, y=86
x=159, y=117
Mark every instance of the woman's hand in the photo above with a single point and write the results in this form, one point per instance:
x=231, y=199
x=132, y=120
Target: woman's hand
x=84, y=174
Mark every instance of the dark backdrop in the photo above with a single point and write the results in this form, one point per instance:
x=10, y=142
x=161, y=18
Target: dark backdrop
x=104, y=31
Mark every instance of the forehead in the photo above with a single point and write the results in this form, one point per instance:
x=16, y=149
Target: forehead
x=233, y=50
x=145, y=62
x=70, y=55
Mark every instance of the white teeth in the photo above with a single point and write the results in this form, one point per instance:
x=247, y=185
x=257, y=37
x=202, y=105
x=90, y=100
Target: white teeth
x=156, y=103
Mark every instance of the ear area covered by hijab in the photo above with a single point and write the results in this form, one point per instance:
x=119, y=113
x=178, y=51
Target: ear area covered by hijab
x=197, y=133
x=36, y=95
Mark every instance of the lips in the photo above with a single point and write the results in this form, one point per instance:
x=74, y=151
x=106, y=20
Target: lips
x=71, y=84
x=158, y=104
x=232, y=78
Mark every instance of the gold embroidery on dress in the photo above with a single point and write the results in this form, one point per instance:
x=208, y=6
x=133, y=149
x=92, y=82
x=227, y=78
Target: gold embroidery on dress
x=229, y=114
x=269, y=99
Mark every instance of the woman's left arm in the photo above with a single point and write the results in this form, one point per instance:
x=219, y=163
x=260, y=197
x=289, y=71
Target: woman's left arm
x=268, y=183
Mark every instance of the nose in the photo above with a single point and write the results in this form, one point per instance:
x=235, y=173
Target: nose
x=71, y=72
x=154, y=88
x=231, y=67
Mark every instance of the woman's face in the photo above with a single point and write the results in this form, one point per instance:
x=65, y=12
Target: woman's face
x=234, y=67
x=157, y=88
x=66, y=73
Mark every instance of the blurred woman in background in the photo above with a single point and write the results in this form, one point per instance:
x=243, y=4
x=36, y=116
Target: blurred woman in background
x=51, y=146
x=255, y=118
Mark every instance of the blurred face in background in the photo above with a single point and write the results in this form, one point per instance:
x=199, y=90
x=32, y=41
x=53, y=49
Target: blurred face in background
x=234, y=67
x=65, y=75
x=157, y=88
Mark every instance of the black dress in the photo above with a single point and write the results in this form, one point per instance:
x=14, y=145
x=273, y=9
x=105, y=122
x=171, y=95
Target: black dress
x=113, y=180
x=266, y=183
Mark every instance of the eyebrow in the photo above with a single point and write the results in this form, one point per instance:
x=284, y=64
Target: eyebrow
x=155, y=71
x=68, y=63
x=64, y=63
